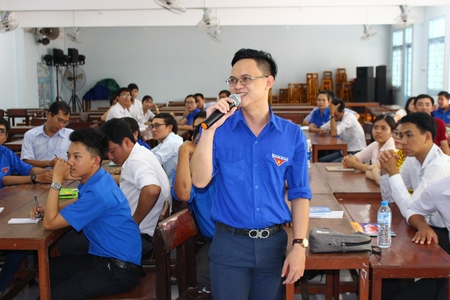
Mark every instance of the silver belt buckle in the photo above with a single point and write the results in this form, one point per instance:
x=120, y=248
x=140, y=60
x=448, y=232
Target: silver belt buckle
x=259, y=234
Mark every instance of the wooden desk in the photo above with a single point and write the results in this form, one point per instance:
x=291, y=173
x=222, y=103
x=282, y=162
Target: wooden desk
x=404, y=259
x=15, y=146
x=324, y=142
x=350, y=185
x=392, y=108
x=17, y=130
x=18, y=201
x=317, y=182
x=376, y=111
x=333, y=261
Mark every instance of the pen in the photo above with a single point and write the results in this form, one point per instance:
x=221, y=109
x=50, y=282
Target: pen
x=38, y=215
x=55, y=155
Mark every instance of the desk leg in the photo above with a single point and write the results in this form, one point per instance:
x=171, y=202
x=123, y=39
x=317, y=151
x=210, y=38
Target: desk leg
x=376, y=285
x=344, y=151
x=336, y=284
x=44, y=272
x=290, y=291
x=363, y=286
x=329, y=284
x=448, y=288
x=315, y=157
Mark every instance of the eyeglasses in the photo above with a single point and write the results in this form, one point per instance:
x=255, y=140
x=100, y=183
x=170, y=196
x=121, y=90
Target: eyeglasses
x=61, y=121
x=397, y=135
x=155, y=126
x=125, y=96
x=244, y=80
x=189, y=102
x=2, y=131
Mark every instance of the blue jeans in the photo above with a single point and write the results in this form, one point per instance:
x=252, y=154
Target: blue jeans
x=243, y=268
x=336, y=156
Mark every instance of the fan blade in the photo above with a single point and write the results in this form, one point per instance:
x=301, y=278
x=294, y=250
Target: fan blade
x=79, y=76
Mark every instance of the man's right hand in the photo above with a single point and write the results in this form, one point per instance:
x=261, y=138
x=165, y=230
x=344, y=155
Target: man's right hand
x=223, y=106
x=35, y=211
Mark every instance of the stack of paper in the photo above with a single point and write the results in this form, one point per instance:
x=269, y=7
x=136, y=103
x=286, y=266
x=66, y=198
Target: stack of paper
x=23, y=221
x=324, y=212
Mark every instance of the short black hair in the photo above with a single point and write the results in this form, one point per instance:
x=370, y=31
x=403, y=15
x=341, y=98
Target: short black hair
x=336, y=102
x=407, y=104
x=133, y=86
x=96, y=142
x=57, y=106
x=389, y=120
x=195, y=132
x=147, y=97
x=423, y=121
x=117, y=130
x=168, y=120
x=199, y=94
x=227, y=92
x=121, y=90
x=263, y=60
x=445, y=94
x=112, y=97
x=330, y=95
x=190, y=95
x=3, y=121
x=422, y=96
x=134, y=126
x=200, y=114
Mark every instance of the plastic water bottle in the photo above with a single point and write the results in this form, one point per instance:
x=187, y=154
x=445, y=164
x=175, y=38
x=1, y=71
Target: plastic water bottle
x=384, y=217
x=309, y=149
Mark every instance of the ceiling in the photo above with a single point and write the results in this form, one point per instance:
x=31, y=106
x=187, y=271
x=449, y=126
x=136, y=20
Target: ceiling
x=119, y=13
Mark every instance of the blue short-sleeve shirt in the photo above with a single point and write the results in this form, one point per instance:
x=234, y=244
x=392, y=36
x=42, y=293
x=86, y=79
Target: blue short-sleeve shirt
x=103, y=212
x=10, y=164
x=251, y=172
x=320, y=119
x=443, y=115
x=190, y=116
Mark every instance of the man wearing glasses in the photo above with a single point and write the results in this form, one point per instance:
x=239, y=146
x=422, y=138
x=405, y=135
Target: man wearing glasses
x=251, y=156
x=43, y=145
x=121, y=108
x=164, y=128
x=425, y=162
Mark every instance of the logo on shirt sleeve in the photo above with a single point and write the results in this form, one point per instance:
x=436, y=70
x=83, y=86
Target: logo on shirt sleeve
x=279, y=160
x=5, y=170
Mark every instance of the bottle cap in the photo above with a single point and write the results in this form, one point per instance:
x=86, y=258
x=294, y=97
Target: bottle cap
x=384, y=203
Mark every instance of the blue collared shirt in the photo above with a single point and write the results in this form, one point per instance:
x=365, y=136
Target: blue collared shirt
x=444, y=116
x=200, y=203
x=319, y=119
x=190, y=116
x=251, y=172
x=10, y=164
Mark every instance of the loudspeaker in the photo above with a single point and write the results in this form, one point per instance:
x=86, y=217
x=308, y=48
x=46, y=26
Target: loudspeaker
x=382, y=87
x=73, y=55
x=364, y=72
x=58, y=55
x=380, y=71
x=364, y=90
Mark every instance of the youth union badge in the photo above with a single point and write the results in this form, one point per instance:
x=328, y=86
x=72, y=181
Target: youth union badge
x=279, y=160
x=5, y=170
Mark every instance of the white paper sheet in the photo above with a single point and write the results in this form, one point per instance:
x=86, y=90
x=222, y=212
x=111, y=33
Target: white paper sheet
x=23, y=221
x=1, y=209
x=336, y=214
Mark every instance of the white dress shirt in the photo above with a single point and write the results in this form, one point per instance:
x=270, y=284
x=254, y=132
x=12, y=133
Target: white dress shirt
x=415, y=176
x=140, y=170
x=350, y=131
x=167, y=153
x=118, y=112
x=39, y=146
x=136, y=108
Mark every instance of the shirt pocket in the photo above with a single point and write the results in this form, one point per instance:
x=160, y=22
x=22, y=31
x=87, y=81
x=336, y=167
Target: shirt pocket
x=234, y=165
x=276, y=164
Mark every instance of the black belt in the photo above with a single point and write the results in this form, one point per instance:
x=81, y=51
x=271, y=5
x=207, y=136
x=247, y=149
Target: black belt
x=126, y=265
x=252, y=233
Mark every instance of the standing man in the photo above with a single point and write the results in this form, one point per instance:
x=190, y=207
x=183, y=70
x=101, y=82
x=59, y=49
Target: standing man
x=135, y=104
x=425, y=103
x=44, y=144
x=251, y=156
x=112, y=265
x=121, y=108
x=164, y=129
x=142, y=180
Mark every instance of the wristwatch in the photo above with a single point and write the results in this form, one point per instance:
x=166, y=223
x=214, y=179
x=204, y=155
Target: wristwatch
x=33, y=178
x=56, y=186
x=304, y=242
x=332, y=117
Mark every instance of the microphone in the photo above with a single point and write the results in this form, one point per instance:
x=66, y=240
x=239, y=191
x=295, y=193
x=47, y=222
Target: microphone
x=217, y=114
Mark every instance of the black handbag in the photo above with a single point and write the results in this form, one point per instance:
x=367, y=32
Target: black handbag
x=324, y=240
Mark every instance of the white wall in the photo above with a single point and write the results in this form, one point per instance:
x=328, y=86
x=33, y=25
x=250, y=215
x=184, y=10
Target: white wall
x=171, y=62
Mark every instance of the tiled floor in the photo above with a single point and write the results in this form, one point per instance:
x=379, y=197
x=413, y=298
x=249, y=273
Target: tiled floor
x=33, y=291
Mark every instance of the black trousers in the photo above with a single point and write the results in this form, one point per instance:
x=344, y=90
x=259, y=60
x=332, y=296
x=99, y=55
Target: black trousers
x=86, y=276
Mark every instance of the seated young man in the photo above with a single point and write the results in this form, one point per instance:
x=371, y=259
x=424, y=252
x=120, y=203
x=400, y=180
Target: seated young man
x=347, y=127
x=425, y=162
x=122, y=107
x=103, y=213
x=43, y=143
x=164, y=129
x=199, y=201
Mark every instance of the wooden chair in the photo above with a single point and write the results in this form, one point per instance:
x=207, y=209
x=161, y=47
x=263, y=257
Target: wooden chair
x=38, y=121
x=347, y=91
x=283, y=96
x=303, y=93
x=312, y=88
x=2, y=113
x=14, y=113
x=341, y=77
x=175, y=232
x=294, y=92
x=327, y=81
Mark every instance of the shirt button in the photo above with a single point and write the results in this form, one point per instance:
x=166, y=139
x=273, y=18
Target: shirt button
x=255, y=165
x=257, y=209
x=256, y=187
x=256, y=142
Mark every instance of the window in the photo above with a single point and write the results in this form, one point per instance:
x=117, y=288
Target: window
x=397, y=57
x=436, y=40
x=408, y=62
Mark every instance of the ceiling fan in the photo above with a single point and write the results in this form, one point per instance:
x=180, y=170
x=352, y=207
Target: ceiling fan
x=7, y=22
x=214, y=34
x=75, y=36
x=208, y=21
x=174, y=6
x=405, y=19
x=368, y=33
